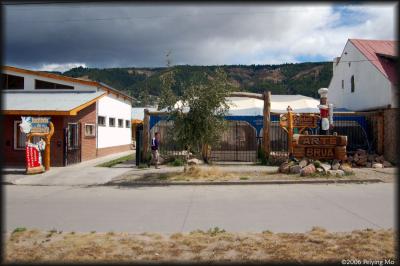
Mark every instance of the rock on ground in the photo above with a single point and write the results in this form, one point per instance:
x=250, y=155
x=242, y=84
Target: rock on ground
x=308, y=170
x=346, y=169
x=194, y=161
x=295, y=169
x=336, y=172
x=325, y=166
x=284, y=168
x=303, y=163
x=335, y=165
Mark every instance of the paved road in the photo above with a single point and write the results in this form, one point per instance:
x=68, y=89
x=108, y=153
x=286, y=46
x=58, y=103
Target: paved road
x=249, y=208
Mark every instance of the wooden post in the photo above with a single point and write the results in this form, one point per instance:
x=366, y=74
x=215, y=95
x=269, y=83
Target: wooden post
x=146, y=133
x=47, y=148
x=380, y=146
x=247, y=95
x=266, y=122
x=290, y=132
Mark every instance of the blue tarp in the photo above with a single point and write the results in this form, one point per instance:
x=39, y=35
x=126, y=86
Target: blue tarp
x=257, y=121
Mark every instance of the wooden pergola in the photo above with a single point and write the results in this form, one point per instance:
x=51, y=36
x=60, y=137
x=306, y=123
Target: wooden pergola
x=266, y=97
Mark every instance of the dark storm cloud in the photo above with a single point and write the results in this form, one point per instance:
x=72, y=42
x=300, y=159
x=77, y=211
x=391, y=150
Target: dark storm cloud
x=139, y=35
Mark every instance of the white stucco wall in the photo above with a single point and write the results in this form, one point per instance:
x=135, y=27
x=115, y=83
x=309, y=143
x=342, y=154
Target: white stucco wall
x=110, y=106
x=372, y=88
x=29, y=82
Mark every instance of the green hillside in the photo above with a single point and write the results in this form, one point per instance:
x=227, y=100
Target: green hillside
x=144, y=83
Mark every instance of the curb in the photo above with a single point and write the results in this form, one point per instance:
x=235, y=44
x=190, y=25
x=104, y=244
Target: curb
x=270, y=182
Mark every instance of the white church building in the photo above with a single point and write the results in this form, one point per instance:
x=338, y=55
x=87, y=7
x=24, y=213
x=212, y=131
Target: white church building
x=364, y=76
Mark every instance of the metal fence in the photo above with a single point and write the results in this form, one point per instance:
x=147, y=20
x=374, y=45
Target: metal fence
x=356, y=127
x=240, y=141
x=168, y=146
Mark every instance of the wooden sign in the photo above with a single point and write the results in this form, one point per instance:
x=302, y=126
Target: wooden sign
x=322, y=140
x=320, y=147
x=290, y=120
x=305, y=120
x=31, y=124
x=299, y=121
x=40, y=127
x=40, y=124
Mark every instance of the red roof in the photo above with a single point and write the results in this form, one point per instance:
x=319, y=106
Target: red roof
x=382, y=54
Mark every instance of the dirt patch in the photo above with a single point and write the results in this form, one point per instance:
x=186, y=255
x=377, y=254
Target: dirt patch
x=273, y=75
x=217, y=174
x=312, y=71
x=215, y=245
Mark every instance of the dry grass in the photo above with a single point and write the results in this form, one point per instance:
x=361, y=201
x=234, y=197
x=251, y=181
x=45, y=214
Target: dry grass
x=214, y=173
x=317, y=245
x=196, y=173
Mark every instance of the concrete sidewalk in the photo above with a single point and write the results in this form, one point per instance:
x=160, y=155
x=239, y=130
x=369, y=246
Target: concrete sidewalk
x=81, y=174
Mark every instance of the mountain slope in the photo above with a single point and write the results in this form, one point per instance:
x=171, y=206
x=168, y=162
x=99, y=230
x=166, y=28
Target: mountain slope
x=144, y=83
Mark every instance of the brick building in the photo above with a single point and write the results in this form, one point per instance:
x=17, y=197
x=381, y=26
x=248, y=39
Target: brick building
x=90, y=118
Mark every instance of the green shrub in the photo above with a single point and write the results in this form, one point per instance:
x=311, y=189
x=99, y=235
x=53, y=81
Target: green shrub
x=214, y=231
x=317, y=164
x=177, y=162
x=19, y=229
x=117, y=161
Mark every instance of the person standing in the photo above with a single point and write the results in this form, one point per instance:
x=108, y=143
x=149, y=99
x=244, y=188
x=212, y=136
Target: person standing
x=155, y=142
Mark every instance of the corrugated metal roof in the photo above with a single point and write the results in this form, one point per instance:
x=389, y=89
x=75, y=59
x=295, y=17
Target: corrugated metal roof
x=379, y=53
x=47, y=101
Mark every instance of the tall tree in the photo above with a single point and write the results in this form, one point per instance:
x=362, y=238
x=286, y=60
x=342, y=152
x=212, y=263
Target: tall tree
x=198, y=114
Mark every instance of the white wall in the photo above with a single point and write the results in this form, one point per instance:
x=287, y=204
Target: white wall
x=111, y=106
x=29, y=82
x=372, y=88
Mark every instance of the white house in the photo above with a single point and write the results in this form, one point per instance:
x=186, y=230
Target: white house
x=90, y=118
x=364, y=76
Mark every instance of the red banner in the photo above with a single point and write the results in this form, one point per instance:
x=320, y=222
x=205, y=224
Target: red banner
x=33, y=158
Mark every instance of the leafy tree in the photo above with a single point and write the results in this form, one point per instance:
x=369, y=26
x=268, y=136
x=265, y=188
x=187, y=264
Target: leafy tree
x=199, y=115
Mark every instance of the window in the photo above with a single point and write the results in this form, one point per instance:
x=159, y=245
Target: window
x=120, y=123
x=44, y=85
x=11, y=82
x=101, y=121
x=352, y=84
x=127, y=123
x=20, y=137
x=90, y=130
x=342, y=84
x=111, y=122
x=73, y=136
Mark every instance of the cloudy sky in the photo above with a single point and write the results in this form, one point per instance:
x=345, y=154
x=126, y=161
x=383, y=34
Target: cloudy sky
x=61, y=36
